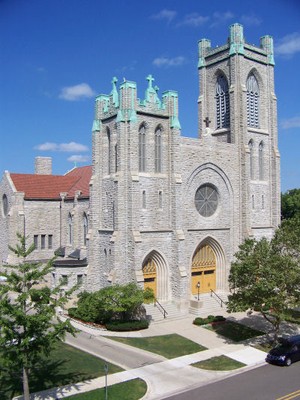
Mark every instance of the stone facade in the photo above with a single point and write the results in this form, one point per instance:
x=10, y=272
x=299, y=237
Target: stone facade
x=158, y=201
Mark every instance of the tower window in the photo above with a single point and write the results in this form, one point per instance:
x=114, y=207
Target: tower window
x=251, y=165
x=142, y=149
x=261, y=161
x=70, y=228
x=158, y=150
x=144, y=203
x=160, y=200
x=222, y=103
x=108, y=150
x=252, y=102
x=85, y=228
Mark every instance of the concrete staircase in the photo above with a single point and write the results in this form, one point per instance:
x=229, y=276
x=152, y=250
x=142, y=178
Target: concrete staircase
x=207, y=305
x=156, y=314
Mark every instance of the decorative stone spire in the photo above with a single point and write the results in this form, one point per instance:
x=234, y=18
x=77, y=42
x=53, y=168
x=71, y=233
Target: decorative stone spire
x=266, y=43
x=236, y=39
x=203, y=47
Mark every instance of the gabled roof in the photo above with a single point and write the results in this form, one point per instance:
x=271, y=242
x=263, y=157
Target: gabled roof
x=49, y=187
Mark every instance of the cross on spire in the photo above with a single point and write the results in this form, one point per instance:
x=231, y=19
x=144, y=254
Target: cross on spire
x=150, y=79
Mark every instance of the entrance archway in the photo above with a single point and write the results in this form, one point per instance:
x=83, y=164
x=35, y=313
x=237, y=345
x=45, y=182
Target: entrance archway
x=156, y=275
x=203, y=270
x=150, y=278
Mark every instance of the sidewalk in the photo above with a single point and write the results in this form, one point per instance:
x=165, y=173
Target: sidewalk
x=168, y=377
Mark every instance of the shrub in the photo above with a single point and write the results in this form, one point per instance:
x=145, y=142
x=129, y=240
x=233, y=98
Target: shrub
x=149, y=295
x=119, y=326
x=210, y=319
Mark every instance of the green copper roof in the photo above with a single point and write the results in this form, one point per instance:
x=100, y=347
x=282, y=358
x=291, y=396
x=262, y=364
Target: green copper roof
x=236, y=39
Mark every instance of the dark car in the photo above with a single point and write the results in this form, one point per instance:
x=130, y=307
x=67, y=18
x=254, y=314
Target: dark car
x=286, y=352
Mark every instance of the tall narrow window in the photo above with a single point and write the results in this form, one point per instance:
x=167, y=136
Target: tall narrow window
x=252, y=102
x=85, y=228
x=43, y=241
x=144, y=204
x=70, y=229
x=253, y=202
x=158, y=150
x=116, y=158
x=222, y=103
x=50, y=241
x=108, y=150
x=261, y=161
x=262, y=202
x=160, y=200
x=251, y=166
x=142, y=149
x=36, y=241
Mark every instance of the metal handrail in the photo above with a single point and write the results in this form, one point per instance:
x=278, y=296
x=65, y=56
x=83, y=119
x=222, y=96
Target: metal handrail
x=160, y=307
x=219, y=298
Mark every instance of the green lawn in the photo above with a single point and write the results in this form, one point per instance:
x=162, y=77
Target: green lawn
x=234, y=331
x=169, y=346
x=130, y=390
x=66, y=365
x=220, y=363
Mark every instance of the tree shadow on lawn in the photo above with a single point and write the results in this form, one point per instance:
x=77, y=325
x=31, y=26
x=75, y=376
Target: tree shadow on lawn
x=49, y=374
x=250, y=330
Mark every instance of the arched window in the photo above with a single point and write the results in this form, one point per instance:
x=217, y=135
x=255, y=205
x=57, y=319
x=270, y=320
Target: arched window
x=85, y=228
x=4, y=205
x=261, y=161
x=108, y=150
x=251, y=165
x=70, y=228
x=252, y=102
x=158, y=150
x=142, y=149
x=253, y=202
x=222, y=103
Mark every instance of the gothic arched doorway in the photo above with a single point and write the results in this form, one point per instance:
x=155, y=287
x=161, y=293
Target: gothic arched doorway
x=156, y=275
x=204, y=264
x=149, y=272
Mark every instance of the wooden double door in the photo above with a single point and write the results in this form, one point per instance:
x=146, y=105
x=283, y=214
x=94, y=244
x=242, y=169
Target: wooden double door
x=203, y=278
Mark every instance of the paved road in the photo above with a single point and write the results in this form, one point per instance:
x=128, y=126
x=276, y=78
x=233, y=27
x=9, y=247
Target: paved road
x=126, y=357
x=268, y=382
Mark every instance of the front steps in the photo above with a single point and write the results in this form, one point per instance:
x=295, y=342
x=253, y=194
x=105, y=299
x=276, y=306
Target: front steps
x=207, y=305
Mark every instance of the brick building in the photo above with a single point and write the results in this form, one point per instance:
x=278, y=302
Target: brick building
x=157, y=208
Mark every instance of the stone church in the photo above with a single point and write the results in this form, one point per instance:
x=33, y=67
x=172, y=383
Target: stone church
x=157, y=208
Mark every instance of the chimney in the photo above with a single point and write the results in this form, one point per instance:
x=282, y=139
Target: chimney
x=43, y=166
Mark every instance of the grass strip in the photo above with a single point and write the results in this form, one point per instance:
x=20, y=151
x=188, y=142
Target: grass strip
x=168, y=346
x=129, y=390
x=220, y=363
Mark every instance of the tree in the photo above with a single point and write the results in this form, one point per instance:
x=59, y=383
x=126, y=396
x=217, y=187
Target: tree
x=265, y=275
x=118, y=302
x=28, y=323
x=290, y=204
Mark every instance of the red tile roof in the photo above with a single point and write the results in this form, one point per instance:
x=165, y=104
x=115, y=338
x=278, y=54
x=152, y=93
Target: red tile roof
x=49, y=187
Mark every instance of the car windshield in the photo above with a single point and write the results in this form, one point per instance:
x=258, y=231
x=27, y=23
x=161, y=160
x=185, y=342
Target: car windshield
x=283, y=346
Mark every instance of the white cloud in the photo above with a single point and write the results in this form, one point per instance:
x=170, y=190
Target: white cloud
x=77, y=92
x=168, y=62
x=251, y=20
x=63, y=147
x=289, y=123
x=194, y=20
x=79, y=158
x=168, y=15
x=288, y=45
x=221, y=18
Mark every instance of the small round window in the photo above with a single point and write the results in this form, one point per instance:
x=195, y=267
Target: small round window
x=206, y=200
x=4, y=205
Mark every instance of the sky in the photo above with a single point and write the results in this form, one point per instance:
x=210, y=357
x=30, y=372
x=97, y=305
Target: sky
x=56, y=56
